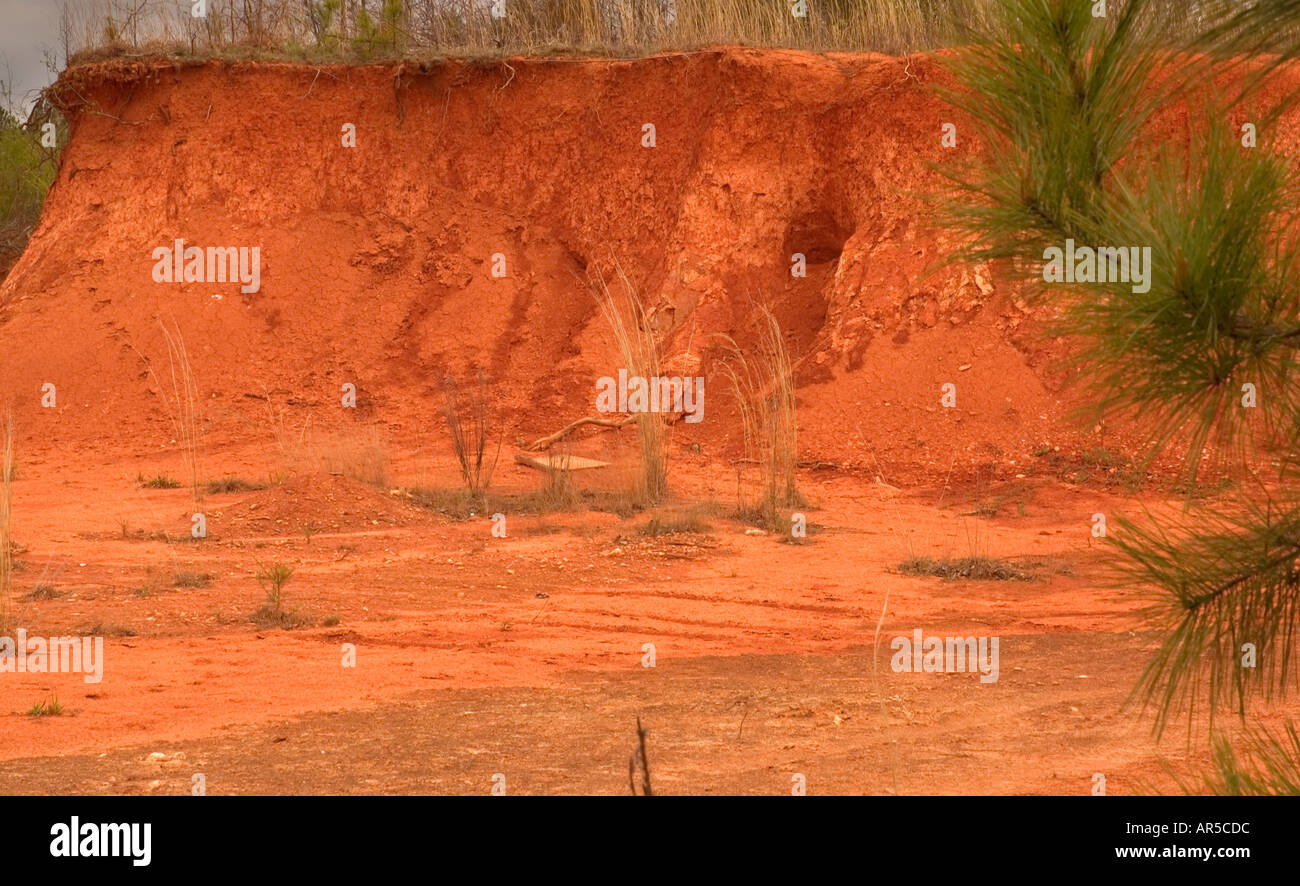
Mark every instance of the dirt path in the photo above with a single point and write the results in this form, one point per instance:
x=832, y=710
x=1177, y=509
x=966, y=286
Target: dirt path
x=742, y=724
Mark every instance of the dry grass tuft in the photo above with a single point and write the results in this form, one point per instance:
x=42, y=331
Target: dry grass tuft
x=183, y=406
x=43, y=591
x=357, y=453
x=232, y=484
x=762, y=382
x=186, y=579
x=639, y=349
x=688, y=522
x=965, y=569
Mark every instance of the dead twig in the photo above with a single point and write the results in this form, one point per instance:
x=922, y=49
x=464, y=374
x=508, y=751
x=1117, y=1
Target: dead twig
x=639, y=760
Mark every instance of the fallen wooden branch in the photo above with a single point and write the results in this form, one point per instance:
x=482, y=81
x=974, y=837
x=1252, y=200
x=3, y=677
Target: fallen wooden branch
x=552, y=439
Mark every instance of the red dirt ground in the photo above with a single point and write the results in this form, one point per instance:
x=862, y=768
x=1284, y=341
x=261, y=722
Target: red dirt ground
x=523, y=655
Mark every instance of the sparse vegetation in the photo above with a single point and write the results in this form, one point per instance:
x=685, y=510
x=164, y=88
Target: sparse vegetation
x=126, y=533
x=358, y=454
x=997, y=503
x=183, y=406
x=590, y=600
x=108, y=629
x=192, y=580
x=274, y=578
x=559, y=494
x=987, y=508
x=272, y=612
x=158, y=481
x=689, y=523
x=327, y=30
x=43, y=592
x=51, y=707
x=359, y=458
x=638, y=347
x=454, y=503
x=26, y=170
x=965, y=568
x=762, y=382
x=469, y=422
x=1098, y=465
x=232, y=484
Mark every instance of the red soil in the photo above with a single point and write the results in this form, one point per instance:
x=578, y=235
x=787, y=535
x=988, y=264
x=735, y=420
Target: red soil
x=376, y=260
x=375, y=270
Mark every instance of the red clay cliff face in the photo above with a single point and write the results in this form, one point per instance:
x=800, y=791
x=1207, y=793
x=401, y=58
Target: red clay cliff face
x=376, y=260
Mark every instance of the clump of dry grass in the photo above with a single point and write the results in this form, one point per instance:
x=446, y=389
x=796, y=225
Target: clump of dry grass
x=230, y=484
x=187, y=579
x=762, y=382
x=43, y=591
x=158, y=481
x=469, y=421
x=690, y=522
x=977, y=565
x=559, y=493
x=356, y=453
x=108, y=629
x=639, y=349
x=183, y=406
x=362, y=457
x=975, y=568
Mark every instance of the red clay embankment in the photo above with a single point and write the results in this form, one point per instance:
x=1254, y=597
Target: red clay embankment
x=376, y=260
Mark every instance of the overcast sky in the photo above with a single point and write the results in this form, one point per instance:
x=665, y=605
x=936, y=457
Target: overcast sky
x=27, y=29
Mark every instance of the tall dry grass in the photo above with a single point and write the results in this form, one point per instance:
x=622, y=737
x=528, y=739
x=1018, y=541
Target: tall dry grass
x=357, y=453
x=183, y=407
x=386, y=28
x=762, y=382
x=639, y=349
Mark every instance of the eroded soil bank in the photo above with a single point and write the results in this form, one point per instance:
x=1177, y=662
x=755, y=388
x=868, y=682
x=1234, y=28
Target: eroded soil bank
x=523, y=654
